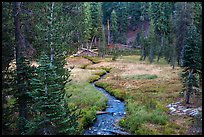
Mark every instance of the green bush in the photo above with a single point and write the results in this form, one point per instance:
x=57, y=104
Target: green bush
x=88, y=117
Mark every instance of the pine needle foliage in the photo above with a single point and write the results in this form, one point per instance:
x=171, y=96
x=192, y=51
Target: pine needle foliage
x=51, y=114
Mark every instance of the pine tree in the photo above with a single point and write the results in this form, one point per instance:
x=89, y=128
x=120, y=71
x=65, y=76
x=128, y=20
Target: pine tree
x=122, y=20
x=151, y=41
x=172, y=43
x=86, y=23
x=22, y=69
x=144, y=16
x=114, y=32
x=191, y=60
x=114, y=27
x=183, y=18
x=134, y=11
x=96, y=20
x=197, y=15
x=102, y=44
x=161, y=22
x=50, y=112
x=51, y=115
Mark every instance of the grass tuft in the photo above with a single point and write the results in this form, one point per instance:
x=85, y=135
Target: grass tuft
x=144, y=76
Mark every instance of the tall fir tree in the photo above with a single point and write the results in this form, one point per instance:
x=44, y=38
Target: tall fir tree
x=191, y=60
x=96, y=21
x=183, y=18
x=114, y=27
x=102, y=44
x=114, y=31
x=50, y=113
x=86, y=23
x=151, y=41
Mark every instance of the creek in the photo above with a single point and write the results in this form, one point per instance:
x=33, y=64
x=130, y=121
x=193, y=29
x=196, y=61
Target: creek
x=106, y=122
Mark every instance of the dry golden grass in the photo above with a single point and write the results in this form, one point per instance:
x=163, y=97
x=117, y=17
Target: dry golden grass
x=77, y=61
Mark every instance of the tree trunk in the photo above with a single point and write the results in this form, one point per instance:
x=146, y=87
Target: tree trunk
x=160, y=50
x=142, y=53
x=173, y=57
x=92, y=42
x=87, y=45
x=95, y=42
x=108, y=33
x=51, y=56
x=19, y=46
x=189, y=88
x=51, y=35
x=150, y=55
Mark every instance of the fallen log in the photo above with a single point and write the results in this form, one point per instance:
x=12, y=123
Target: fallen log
x=101, y=112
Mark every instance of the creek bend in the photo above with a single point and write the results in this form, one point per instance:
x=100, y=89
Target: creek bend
x=106, y=122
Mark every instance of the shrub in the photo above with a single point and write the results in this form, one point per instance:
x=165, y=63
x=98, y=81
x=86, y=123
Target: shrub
x=89, y=117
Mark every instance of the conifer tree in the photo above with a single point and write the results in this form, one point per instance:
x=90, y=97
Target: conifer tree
x=122, y=20
x=191, y=60
x=183, y=18
x=50, y=112
x=86, y=23
x=102, y=44
x=134, y=9
x=172, y=43
x=96, y=20
x=114, y=27
x=114, y=31
x=151, y=41
x=23, y=71
x=161, y=22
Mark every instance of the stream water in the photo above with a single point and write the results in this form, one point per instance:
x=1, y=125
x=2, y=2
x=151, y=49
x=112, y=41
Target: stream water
x=106, y=123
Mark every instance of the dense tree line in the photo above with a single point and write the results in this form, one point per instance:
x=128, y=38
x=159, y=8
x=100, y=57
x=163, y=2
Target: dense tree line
x=49, y=31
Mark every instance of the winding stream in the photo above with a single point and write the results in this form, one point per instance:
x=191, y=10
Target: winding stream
x=106, y=123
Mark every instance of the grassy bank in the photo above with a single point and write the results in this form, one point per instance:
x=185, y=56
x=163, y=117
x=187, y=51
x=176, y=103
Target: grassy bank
x=83, y=94
x=145, y=88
